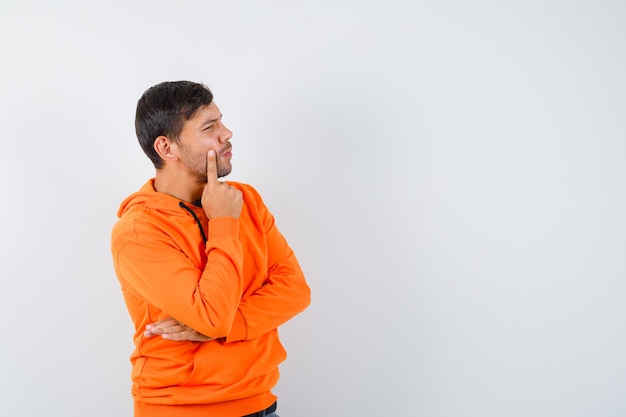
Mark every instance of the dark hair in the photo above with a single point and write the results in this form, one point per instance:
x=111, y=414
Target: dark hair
x=163, y=109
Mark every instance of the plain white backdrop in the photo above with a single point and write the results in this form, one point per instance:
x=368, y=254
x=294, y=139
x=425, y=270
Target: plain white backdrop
x=451, y=175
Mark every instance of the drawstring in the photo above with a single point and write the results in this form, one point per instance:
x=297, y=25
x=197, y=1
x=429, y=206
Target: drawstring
x=182, y=205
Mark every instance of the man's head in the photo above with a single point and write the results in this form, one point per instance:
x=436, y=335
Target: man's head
x=179, y=121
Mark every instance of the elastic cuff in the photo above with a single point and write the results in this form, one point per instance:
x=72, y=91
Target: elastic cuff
x=221, y=227
x=239, y=330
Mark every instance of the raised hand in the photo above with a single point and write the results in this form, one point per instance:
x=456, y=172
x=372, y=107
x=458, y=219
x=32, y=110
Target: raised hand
x=218, y=198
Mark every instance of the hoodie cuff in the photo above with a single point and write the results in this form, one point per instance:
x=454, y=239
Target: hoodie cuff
x=238, y=331
x=221, y=227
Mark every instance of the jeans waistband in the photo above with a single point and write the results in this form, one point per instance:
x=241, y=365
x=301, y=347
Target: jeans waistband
x=267, y=411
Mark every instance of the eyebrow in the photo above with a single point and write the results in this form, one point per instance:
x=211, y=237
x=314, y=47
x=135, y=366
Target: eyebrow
x=211, y=121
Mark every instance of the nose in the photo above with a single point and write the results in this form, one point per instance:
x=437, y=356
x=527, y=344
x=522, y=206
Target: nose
x=226, y=134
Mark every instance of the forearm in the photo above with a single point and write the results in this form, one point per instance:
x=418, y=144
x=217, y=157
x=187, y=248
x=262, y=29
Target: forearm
x=284, y=294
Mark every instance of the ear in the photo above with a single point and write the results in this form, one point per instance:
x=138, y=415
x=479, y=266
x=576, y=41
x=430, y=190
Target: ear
x=167, y=150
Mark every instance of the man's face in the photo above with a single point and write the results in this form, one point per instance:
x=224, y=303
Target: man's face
x=202, y=132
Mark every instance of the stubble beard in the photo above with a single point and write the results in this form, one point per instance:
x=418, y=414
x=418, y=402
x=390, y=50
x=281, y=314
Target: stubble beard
x=223, y=169
x=197, y=164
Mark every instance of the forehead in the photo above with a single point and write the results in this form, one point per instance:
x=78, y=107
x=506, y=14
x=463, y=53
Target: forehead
x=206, y=113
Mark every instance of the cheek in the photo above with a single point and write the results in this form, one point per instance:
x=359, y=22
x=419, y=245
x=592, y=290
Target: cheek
x=196, y=161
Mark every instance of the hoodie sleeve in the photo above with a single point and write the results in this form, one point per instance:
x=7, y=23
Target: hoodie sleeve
x=284, y=292
x=150, y=266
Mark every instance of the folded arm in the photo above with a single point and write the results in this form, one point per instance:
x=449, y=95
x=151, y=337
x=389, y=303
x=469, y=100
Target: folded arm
x=154, y=270
x=284, y=292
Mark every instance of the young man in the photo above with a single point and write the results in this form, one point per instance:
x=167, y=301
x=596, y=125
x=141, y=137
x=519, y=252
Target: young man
x=206, y=275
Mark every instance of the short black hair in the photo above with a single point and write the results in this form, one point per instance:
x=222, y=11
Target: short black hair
x=163, y=109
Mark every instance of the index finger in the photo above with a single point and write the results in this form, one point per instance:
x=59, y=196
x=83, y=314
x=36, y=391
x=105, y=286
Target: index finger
x=211, y=166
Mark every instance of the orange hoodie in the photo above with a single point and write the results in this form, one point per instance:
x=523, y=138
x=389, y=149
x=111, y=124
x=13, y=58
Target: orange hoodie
x=237, y=287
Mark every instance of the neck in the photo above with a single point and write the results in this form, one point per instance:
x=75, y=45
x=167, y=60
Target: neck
x=178, y=184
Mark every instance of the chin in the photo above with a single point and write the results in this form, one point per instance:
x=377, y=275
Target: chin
x=223, y=171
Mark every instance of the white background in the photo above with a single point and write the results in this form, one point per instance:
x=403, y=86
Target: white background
x=451, y=175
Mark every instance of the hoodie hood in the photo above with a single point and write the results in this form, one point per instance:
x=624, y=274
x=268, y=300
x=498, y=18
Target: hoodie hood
x=148, y=198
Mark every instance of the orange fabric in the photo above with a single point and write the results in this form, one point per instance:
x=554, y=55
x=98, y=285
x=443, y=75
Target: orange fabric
x=238, y=288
